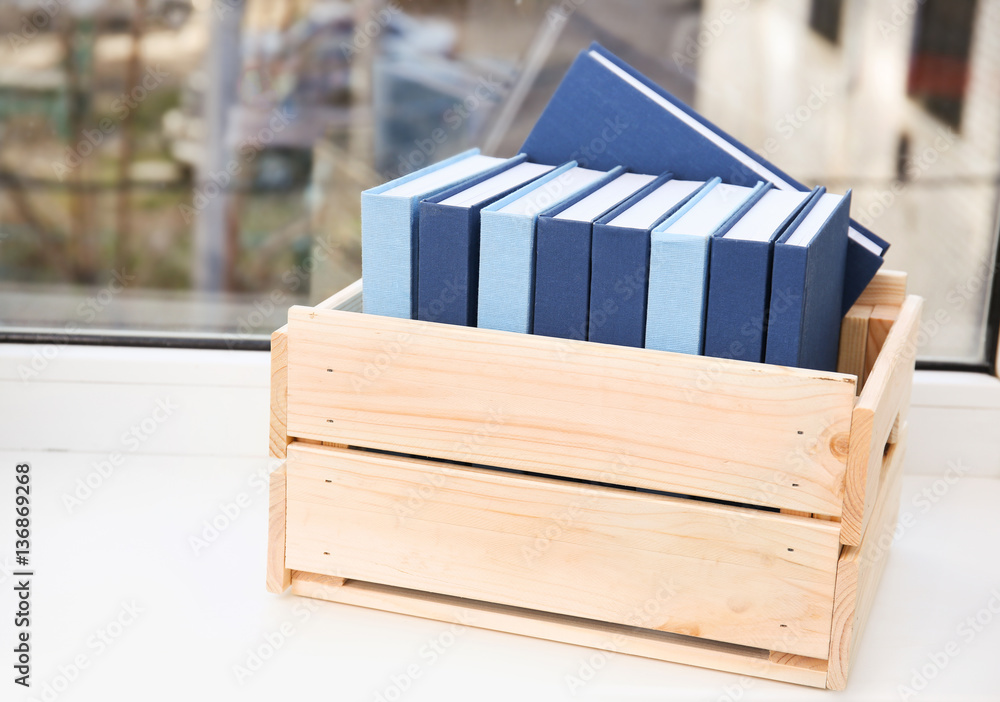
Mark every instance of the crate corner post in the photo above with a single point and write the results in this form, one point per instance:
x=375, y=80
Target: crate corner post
x=278, y=576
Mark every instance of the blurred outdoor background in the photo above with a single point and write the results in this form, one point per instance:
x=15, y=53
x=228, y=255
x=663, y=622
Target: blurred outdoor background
x=190, y=168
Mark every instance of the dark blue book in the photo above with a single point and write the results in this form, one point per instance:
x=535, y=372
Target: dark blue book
x=619, y=273
x=740, y=277
x=448, y=241
x=563, y=249
x=807, y=282
x=605, y=114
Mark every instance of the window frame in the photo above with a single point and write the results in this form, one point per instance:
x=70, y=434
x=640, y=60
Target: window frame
x=988, y=365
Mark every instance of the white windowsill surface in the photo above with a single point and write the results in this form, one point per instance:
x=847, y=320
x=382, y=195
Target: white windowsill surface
x=143, y=534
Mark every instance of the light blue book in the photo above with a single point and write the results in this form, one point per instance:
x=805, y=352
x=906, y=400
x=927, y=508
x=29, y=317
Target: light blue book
x=389, y=230
x=507, y=246
x=679, y=264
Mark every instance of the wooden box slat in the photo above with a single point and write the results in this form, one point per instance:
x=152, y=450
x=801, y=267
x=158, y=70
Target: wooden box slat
x=729, y=430
x=572, y=630
x=729, y=574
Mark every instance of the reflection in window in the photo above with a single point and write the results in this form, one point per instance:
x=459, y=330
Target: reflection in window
x=824, y=18
x=195, y=168
x=939, y=66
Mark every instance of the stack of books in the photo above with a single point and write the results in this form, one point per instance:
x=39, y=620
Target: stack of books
x=626, y=219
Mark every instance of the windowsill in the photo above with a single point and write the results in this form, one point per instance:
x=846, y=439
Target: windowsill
x=223, y=405
x=178, y=525
x=183, y=538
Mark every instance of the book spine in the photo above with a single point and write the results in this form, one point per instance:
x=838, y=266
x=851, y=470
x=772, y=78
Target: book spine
x=618, y=287
x=738, y=287
x=785, y=308
x=562, y=278
x=506, y=271
x=448, y=264
x=389, y=258
x=678, y=287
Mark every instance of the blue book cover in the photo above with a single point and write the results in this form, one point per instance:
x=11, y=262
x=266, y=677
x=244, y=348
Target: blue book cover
x=448, y=252
x=605, y=114
x=563, y=254
x=803, y=324
x=507, y=246
x=620, y=260
x=389, y=215
x=739, y=280
x=680, y=252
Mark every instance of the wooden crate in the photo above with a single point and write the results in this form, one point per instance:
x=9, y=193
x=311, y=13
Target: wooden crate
x=718, y=513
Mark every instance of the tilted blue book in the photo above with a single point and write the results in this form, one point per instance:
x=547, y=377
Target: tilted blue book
x=507, y=246
x=739, y=280
x=680, y=252
x=448, y=280
x=563, y=250
x=620, y=260
x=605, y=113
x=803, y=323
x=389, y=215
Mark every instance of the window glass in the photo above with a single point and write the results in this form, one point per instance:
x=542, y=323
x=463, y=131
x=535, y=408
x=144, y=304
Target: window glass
x=193, y=167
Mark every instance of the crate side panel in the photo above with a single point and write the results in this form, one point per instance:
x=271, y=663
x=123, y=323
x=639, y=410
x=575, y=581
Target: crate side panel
x=854, y=342
x=859, y=570
x=729, y=430
x=728, y=574
x=278, y=426
x=278, y=577
x=886, y=288
x=883, y=399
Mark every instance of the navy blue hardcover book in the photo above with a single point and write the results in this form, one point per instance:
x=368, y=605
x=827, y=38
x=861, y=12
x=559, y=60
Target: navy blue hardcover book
x=563, y=250
x=803, y=325
x=448, y=241
x=739, y=285
x=605, y=114
x=619, y=273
